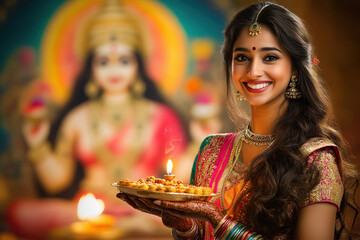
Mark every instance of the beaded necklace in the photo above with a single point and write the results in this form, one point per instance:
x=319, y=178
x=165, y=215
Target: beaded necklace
x=257, y=139
x=251, y=138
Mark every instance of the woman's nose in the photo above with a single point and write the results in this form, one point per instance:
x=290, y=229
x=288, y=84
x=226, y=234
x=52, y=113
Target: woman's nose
x=255, y=69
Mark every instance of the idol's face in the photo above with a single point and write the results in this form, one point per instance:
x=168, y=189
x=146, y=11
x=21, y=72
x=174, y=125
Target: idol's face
x=115, y=67
x=261, y=68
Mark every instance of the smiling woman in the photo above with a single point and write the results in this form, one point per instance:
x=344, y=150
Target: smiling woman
x=286, y=174
x=261, y=75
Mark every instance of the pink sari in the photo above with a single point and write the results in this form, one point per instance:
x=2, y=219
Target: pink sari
x=213, y=163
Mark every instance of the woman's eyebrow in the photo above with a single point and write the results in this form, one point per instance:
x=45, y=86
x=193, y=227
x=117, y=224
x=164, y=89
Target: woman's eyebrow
x=270, y=49
x=242, y=49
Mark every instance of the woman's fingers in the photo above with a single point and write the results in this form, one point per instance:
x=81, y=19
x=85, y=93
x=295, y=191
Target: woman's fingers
x=192, y=209
x=180, y=224
x=200, y=210
x=125, y=198
x=143, y=207
x=149, y=203
x=193, y=206
x=172, y=218
x=138, y=203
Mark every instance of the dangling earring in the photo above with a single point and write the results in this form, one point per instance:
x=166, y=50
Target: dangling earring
x=138, y=88
x=91, y=89
x=240, y=97
x=292, y=92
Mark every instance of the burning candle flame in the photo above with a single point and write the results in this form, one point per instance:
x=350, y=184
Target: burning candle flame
x=169, y=166
x=89, y=207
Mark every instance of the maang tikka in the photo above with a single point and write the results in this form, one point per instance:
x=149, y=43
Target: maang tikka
x=255, y=28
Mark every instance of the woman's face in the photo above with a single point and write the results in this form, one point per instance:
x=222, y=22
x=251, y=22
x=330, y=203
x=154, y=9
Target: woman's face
x=115, y=67
x=261, y=68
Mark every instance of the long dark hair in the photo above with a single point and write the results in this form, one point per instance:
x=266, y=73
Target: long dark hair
x=278, y=175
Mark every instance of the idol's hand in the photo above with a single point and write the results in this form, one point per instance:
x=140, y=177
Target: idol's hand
x=147, y=206
x=35, y=133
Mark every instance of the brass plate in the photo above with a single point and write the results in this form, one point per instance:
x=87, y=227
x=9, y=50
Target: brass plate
x=167, y=196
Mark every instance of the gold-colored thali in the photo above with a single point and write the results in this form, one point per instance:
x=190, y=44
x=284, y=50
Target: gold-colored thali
x=167, y=196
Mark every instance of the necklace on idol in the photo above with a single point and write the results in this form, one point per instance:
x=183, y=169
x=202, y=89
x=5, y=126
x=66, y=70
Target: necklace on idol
x=116, y=113
x=256, y=139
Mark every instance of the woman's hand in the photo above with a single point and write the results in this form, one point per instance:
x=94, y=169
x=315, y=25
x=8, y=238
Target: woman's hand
x=200, y=210
x=147, y=206
x=174, y=213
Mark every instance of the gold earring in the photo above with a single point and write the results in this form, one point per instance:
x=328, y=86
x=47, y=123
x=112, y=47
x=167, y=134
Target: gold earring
x=240, y=97
x=138, y=88
x=292, y=92
x=91, y=89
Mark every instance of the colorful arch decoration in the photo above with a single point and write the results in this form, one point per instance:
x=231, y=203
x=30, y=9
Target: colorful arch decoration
x=60, y=59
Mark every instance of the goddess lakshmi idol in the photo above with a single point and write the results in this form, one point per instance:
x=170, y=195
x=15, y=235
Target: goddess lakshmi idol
x=116, y=125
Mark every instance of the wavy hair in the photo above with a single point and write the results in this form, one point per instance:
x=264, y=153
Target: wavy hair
x=278, y=175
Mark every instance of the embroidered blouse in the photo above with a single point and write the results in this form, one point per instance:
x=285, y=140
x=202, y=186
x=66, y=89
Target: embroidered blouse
x=215, y=166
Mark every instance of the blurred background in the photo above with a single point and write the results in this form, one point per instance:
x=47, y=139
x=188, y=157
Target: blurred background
x=42, y=54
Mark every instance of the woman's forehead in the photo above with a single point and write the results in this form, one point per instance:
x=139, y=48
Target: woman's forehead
x=265, y=39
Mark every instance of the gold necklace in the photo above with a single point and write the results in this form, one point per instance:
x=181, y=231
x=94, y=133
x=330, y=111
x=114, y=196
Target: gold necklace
x=115, y=163
x=116, y=113
x=256, y=139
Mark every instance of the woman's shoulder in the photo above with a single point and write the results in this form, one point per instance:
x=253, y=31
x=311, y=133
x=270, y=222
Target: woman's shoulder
x=322, y=152
x=316, y=144
x=217, y=138
x=218, y=135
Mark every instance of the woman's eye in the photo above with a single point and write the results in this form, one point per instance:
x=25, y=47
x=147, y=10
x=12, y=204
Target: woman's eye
x=271, y=58
x=241, y=58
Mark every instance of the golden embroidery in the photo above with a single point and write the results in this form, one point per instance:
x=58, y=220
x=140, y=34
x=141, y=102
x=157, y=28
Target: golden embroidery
x=314, y=144
x=330, y=187
x=207, y=158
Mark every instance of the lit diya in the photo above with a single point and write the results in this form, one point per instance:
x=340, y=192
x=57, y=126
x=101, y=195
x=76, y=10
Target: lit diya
x=167, y=188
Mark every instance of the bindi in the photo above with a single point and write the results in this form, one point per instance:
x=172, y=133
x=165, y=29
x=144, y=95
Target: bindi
x=253, y=48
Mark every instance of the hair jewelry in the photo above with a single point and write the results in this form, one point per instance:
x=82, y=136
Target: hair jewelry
x=314, y=60
x=255, y=28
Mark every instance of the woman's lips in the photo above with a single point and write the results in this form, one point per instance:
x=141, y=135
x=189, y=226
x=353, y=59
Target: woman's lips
x=257, y=87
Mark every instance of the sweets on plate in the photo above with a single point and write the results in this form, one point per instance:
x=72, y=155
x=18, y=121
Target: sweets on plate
x=164, y=186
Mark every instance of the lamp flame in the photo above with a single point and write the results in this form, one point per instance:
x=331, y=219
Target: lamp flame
x=89, y=207
x=169, y=166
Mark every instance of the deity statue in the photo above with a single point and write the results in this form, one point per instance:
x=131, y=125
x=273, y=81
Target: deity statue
x=115, y=125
